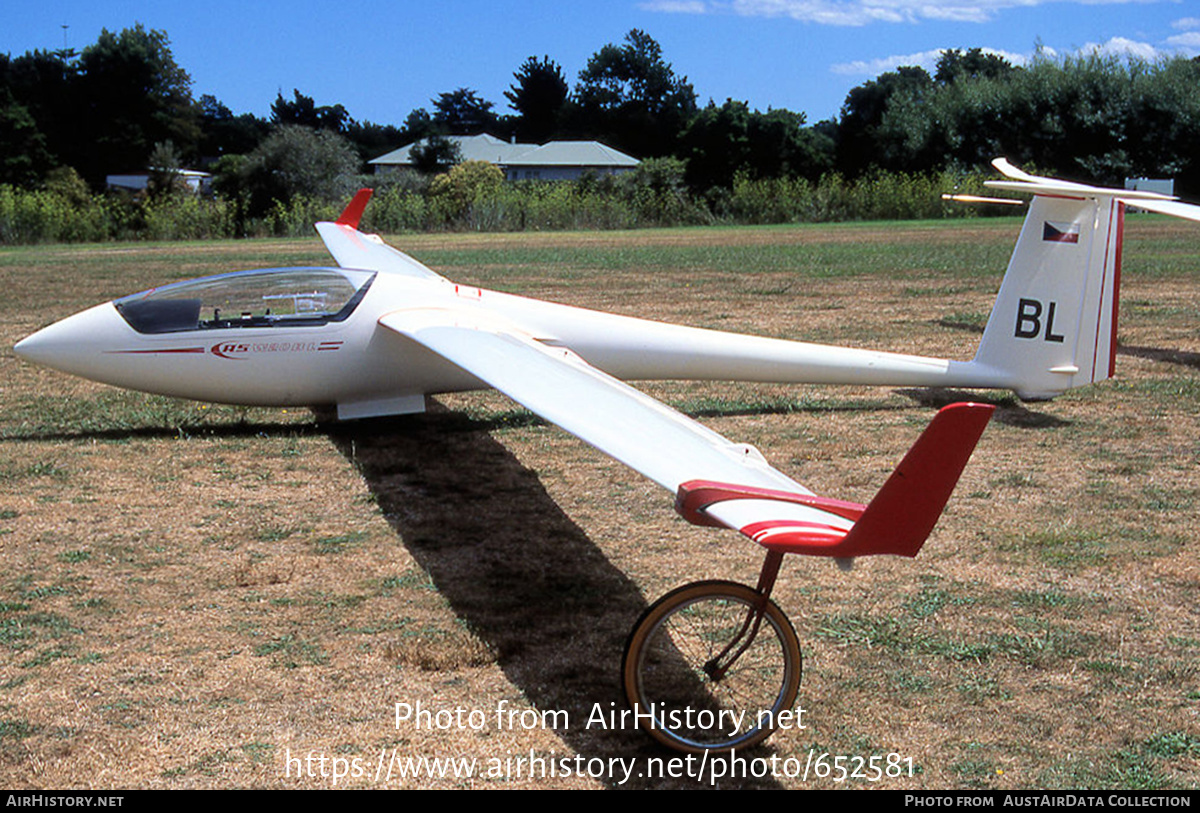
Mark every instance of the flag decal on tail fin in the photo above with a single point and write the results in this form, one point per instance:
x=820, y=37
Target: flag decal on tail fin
x=1060, y=232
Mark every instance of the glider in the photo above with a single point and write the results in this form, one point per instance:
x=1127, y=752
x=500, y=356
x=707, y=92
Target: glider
x=380, y=332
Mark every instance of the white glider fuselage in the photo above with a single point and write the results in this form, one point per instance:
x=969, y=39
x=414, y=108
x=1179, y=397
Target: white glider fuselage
x=365, y=369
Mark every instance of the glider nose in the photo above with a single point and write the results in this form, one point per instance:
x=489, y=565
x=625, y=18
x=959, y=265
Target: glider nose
x=70, y=345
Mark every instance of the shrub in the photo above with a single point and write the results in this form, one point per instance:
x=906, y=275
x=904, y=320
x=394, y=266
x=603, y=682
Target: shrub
x=474, y=196
x=464, y=196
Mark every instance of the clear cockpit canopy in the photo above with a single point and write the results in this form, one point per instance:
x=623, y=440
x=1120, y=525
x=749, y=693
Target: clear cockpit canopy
x=272, y=297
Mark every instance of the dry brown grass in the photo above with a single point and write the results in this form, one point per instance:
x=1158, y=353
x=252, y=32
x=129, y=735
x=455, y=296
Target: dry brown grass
x=186, y=608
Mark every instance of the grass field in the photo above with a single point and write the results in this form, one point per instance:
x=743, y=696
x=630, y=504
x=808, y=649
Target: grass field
x=203, y=596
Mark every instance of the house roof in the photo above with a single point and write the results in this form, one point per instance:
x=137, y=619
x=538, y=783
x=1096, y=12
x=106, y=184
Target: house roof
x=573, y=154
x=506, y=154
x=482, y=147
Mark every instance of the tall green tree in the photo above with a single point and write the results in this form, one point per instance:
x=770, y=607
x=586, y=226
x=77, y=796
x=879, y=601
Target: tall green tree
x=417, y=125
x=859, y=133
x=724, y=142
x=463, y=112
x=954, y=65
x=433, y=154
x=24, y=158
x=164, y=165
x=1165, y=123
x=373, y=140
x=629, y=96
x=293, y=161
x=539, y=95
x=302, y=110
x=223, y=133
x=1094, y=117
x=40, y=126
x=131, y=95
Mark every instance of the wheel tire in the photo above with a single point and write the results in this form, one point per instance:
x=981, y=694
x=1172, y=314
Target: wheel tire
x=665, y=682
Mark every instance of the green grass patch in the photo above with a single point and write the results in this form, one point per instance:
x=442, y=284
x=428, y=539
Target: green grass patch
x=1042, y=645
x=1064, y=548
x=411, y=579
x=291, y=652
x=16, y=729
x=274, y=534
x=329, y=545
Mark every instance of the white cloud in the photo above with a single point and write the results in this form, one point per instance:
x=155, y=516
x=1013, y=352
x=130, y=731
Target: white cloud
x=1116, y=46
x=1188, y=42
x=864, y=12
x=1186, y=23
x=874, y=67
x=860, y=12
x=1120, y=46
x=676, y=6
x=924, y=59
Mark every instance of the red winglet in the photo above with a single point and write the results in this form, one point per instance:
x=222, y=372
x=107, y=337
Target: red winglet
x=354, y=210
x=898, y=520
x=902, y=515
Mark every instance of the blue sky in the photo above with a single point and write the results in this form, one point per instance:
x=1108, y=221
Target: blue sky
x=382, y=59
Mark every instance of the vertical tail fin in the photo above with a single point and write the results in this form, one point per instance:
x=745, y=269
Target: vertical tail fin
x=1054, y=324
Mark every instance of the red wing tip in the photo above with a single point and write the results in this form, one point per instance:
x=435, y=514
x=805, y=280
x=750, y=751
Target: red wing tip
x=696, y=495
x=353, y=212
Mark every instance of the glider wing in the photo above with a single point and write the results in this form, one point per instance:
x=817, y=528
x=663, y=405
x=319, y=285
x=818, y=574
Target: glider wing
x=717, y=481
x=353, y=249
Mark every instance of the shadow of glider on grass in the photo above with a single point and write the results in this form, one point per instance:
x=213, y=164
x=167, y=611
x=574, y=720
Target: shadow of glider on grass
x=713, y=665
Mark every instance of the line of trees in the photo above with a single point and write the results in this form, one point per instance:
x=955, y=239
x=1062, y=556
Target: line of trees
x=1097, y=118
x=123, y=104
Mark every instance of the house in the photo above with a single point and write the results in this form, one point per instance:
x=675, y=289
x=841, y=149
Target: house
x=471, y=148
x=1160, y=186
x=200, y=183
x=567, y=161
x=554, y=161
x=1163, y=186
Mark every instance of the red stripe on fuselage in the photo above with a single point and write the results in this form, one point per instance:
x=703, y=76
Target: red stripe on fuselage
x=1112, y=345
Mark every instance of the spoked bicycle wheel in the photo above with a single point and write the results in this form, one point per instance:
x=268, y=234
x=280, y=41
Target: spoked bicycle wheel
x=707, y=672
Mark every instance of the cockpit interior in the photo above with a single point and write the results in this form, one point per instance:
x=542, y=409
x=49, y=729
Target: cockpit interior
x=273, y=297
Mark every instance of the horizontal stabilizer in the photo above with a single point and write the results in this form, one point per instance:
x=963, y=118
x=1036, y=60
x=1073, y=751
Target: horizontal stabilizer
x=1068, y=189
x=1175, y=208
x=1022, y=181
x=982, y=199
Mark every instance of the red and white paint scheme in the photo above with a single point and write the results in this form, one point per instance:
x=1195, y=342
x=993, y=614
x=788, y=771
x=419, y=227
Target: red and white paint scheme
x=380, y=332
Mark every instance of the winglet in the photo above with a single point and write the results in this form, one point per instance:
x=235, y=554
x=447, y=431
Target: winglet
x=902, y=515
x=897, y=521
x=354, y=210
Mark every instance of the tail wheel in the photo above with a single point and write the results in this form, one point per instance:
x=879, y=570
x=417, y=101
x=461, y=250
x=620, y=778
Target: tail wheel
x=707, y=670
